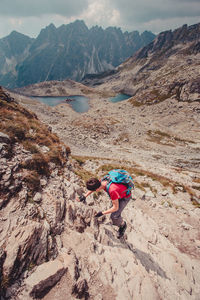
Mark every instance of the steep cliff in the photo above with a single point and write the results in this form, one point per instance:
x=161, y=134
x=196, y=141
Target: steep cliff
x=13, y=50
x=32, y=165
x=167, y=67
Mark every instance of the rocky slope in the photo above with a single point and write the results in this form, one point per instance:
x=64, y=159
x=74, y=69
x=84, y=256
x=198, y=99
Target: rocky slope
x=32, y=192
x=66, y=88
x=167, y=67
x=158, y=143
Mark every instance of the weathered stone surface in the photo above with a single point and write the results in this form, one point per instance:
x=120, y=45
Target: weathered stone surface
x=21, y=242
x=4, y=138
x=80, y=289
x=37, y=198
x=44, y=277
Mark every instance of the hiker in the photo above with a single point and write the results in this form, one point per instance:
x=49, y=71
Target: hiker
x=118, y=191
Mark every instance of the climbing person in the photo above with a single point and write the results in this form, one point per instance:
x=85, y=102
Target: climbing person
x=118, y=184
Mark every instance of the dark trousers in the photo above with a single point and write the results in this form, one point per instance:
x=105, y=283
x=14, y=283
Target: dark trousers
x=116, y=216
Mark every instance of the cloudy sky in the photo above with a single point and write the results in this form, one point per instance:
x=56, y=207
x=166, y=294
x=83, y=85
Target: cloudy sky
x=30, y=16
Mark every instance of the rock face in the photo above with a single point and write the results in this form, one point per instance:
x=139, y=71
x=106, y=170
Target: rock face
x=167, y=67
x=13, y=50
x=29, y=224
x=70, y=51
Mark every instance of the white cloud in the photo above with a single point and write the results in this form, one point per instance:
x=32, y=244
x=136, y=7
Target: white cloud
x=100, y=13
x=15, y=22
x=29, y=17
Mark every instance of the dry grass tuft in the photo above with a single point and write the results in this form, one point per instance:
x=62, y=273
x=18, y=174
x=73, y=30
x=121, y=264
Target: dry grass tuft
x=23, y=127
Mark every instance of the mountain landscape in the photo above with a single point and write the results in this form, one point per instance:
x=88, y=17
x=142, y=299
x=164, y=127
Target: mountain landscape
x=70, y=51
x=52, y=246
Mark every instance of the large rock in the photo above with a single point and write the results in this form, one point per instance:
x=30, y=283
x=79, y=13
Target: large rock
x=22, y=248
x=44, y=277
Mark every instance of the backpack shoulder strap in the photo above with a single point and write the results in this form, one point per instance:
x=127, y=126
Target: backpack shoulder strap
x=107, y=187
x=109, y=181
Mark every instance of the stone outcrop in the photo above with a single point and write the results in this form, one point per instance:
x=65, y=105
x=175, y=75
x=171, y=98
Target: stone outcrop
x=45, y=277
x=32, y=209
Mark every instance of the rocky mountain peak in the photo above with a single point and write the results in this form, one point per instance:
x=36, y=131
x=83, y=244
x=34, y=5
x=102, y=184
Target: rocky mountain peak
x=167, y=39
x=15, y=44
x=79, y=25
x=69, y=51
x=47, y=34
x=15, y=34
x=167, y=67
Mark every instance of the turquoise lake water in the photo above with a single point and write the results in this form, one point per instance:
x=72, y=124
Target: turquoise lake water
x=79, y=104
x=119, y=97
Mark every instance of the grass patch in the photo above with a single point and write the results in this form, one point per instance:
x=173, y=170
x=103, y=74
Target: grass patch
x=134, y=172
x=24, y=128
x=32, y=180
x=159, y=137
x=136, y=103
x=79, y=169
x=164, y=138
x=80, y=159
x=159, y=97
x=149, y=98
x=108, y=167
x=83, y=174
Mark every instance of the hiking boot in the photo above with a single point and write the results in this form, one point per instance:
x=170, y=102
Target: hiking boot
x=121, y=230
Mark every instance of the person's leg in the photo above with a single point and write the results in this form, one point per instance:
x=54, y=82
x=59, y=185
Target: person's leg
x=116, y=216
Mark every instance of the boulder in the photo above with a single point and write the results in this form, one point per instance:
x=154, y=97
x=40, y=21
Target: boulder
x=44, y=277
x=25, y=244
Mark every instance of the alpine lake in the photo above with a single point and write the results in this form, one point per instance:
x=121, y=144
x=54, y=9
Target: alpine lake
x=79, y=104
